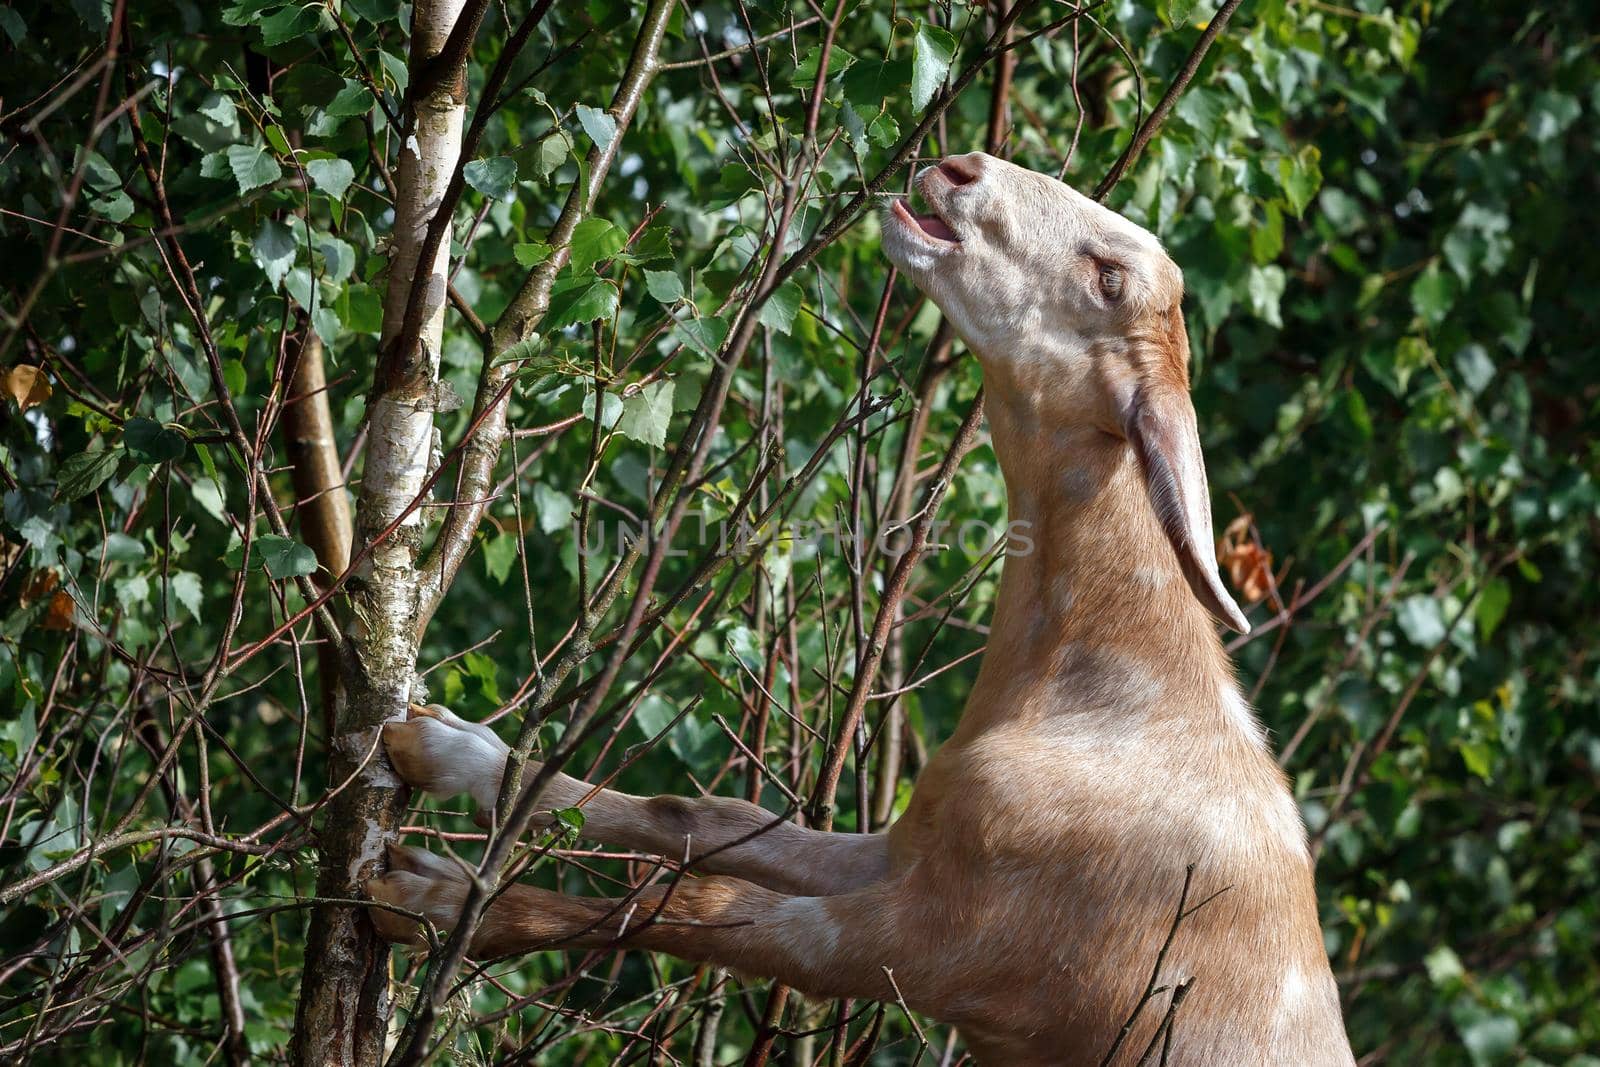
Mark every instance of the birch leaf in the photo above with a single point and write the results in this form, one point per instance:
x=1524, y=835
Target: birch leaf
x=285, y=558
x=150, y=442
x=499, y=553
x=332, y=176
x=645, y=414
x=187, y=590
x=350, y=102
x=82, y=474
x=290, y=22
x=664, y=285
x=781, y=307
x=594, y=240
x=599, y=125
x=931, y=52
x=274, y=250
x=531, y=254
x=253, y=166
x=493, y=177
x=703, y=335
x=582, y=299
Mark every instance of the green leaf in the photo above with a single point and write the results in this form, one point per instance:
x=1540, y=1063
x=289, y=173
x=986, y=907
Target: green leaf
x=499, y=553
x=493, y=177
x=1491, y=1040
x=1177, y=12
x=704, y=335
x=150, y=442
x=1433, y=294
x=1478, y=757
x=883, y=130
x=1475, y=367
x=653, y=244
x=1421, y=619
x=483, y=670
x=581, y=299
x=552, y=151
x=274, y=250
x=350, y=102
x=1301, y=178
x=275, y=137
x=664, y=285
x=594, y=240
x=601, y=126
x=252, y=166
x=132, y=590
x=868, y=85
x=1356, y=412
x=82, y=474
x=931, y=52
x=291, y=22
x=1552, y=113
x=207, y=492
x=1266, y=238
x=805, y=74
x=12, y=23
x=554, y=508
x=285, y=558
x=610, y=409
x=326, y=322
x=1265, y=287
x=1443, y=965
x=116, y=207
x=186, y=588
x=300, y=286
x=531, y=254
x=646, y=413
x=360, y=309
x=120, y=548
x=332, y=176
x=338, y=258
x=782, y=306
x=233, y=376
x=1493, y=603
x=379, y=11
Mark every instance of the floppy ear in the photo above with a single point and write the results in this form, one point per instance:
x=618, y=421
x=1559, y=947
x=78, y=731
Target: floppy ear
x=1160, y=423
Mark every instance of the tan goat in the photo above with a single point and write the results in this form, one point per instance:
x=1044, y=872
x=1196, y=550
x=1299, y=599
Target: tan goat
x=1027, y=892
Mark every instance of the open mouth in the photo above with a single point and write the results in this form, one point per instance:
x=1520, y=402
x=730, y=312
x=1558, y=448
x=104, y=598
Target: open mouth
x=929, y=226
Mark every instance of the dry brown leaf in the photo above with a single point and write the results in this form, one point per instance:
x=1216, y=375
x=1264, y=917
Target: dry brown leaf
x=39, y=583
x=58, y=616
x=1249, y=566
x=27, y=385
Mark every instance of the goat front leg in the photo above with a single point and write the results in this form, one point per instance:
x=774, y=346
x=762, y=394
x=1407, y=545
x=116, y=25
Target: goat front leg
x=825, y=946
x=439, y=753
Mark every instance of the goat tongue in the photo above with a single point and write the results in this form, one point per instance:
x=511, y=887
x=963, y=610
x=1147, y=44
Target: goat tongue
x=934, y=226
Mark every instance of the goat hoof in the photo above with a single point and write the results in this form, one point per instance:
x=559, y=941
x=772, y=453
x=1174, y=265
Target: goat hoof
x=416, y=881
x=437, y=752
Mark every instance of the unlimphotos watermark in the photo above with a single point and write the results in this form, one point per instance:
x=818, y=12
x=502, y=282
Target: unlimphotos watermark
x=973, y=537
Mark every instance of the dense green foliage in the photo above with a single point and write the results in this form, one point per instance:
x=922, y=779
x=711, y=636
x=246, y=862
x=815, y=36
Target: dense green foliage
x=1384, y=212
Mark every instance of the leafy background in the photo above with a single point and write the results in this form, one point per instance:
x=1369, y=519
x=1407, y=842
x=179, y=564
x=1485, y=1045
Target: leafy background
x=1383, y=211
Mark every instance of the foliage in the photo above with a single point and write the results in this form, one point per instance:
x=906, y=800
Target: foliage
x=1382, y=211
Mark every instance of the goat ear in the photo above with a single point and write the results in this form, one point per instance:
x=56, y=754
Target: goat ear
x=1160, y=423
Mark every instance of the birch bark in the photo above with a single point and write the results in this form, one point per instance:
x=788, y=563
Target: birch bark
x=344, y=1005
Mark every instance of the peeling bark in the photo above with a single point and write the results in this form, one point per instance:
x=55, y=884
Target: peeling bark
x=344, y=1005
x=322, y=506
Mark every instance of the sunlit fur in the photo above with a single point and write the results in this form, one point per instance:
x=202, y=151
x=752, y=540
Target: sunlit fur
x=1027, y=890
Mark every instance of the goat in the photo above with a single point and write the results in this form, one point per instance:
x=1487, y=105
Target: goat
x=1030, y=886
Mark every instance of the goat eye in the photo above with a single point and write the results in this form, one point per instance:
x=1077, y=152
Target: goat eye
x=1111, y=282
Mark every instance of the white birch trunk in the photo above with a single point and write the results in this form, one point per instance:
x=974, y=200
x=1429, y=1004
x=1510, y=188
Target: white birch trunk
x=345, y=1006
